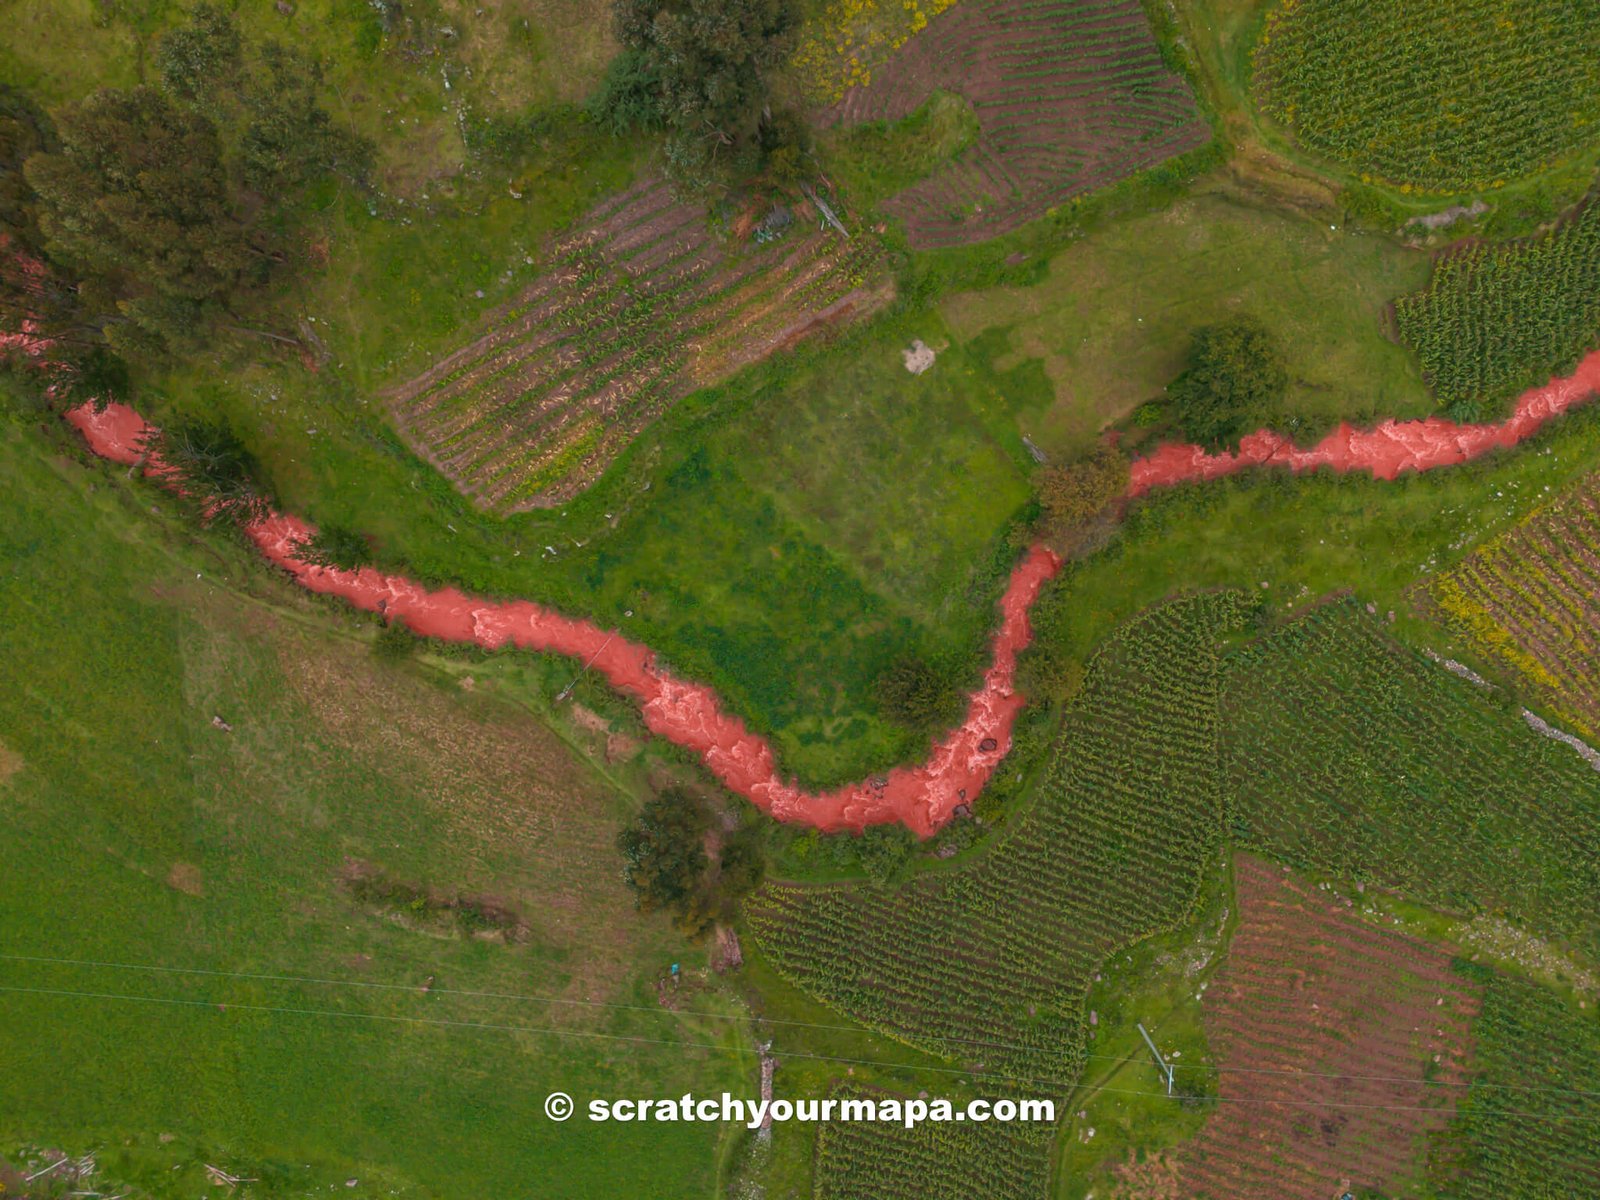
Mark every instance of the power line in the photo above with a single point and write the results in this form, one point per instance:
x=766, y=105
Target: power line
x=657, y=1010
x=614, y=1037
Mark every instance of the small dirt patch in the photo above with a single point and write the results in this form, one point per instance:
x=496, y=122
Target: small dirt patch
x=10, y=763
x=587, y=718
x=186, y=878
x=919, y=357
x=620, y=747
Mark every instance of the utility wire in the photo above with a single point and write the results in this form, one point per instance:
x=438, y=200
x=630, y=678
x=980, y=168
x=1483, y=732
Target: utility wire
x=868, y=1062
x=681, y=1013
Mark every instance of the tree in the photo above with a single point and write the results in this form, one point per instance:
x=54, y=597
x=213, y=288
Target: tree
x=884, y=850
x=1236, y=376
x=200, y=63
x=211, y=465
x=336, y=547
x=664, y=856
x=136, y=201
x=25, y=130
x=1073, y=495
x=288, y=138
x=699, y=67
x=666, y=865
x=918, y=695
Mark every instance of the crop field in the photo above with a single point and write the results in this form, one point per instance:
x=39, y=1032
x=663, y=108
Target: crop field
x=1526, y=1125
x=1350, y=754
x=639, y=306
x=1070, y=95
x=1530, y=599
x=1455, y=97
x=1307, y=994
x=988, y=965
x=858, y=1161
x=1497, y=319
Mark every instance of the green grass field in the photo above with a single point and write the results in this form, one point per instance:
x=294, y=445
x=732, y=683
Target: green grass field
x=1112, y=320
x=138, y=833
x=783, y=537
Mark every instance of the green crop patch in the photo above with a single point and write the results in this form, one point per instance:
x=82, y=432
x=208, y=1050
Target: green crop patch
x=1528, y=599
x=1352, y=755
x=636, y=307
x=1441, y=97
x=988, y=966
x=1496, y=320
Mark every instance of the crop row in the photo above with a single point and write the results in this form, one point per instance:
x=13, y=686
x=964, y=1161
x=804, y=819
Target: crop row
x=1069, y=96
x=881, y=1161
x=1496, y=320
x=1351, y=755
x=1531, y=599
x=632, y=311
x=1441, y=97
x=989, y=966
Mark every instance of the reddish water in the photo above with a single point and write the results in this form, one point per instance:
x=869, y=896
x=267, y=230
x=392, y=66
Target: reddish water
x=1387, y=450
x=922, y=797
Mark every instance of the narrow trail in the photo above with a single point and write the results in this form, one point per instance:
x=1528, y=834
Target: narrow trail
x=923, y=797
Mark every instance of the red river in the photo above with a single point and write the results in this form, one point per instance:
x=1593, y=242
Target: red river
x=923, y=797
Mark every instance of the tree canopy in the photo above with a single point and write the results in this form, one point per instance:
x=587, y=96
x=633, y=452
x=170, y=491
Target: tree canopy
x=1236, y=376
x=136, y=201
x=160, y=209
x=666, y=866
x=1074, y=494
x=700, y=68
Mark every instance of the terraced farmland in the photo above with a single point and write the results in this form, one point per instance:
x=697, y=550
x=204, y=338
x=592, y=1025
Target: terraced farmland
x=873, y=1160
x=1526, y=1126
x=1531, y=600
x=1352, y=755
x=989, y=966
x=1495, y=320
x=1444, y=97
x=1307, y=994
x=1070, y=95
x=637, y=307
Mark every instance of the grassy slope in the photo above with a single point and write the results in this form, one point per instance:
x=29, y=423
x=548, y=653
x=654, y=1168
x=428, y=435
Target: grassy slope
x=1112, y=320
x=120, y=656
x=1303, y=537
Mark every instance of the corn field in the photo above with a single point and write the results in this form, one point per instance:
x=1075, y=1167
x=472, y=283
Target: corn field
x=1497, y=320
x=1530, y=599
x=1434, y=96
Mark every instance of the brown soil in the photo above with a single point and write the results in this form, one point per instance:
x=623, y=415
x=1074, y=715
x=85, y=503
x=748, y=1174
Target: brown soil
x=1341, y=1046
x=1156, y=1178
x=620, y=747
x=1069, y=97
x=186, y=878
x=10, y=763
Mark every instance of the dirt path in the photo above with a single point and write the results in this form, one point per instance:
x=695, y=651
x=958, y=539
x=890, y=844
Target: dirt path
x=923, y=797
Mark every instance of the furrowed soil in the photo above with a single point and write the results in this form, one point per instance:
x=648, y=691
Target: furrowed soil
x=641, y=304
x=1069, y=97
x=1340, y=1047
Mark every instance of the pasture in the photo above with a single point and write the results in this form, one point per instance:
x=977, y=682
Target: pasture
x=306, y=1048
